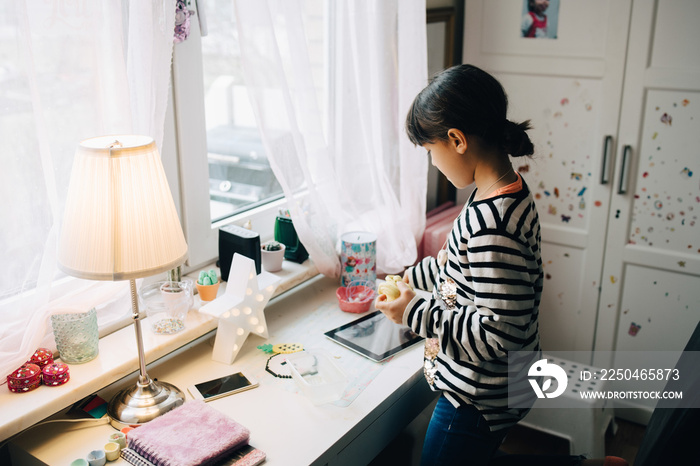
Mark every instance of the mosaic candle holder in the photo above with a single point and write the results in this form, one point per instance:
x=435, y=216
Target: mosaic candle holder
x=24, y=379
x=55, y=374
x=76, y=336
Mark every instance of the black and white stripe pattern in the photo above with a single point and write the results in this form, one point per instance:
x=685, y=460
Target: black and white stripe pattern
x=493, y=255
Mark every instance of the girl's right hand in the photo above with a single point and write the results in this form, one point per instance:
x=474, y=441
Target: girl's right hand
x=395, y=309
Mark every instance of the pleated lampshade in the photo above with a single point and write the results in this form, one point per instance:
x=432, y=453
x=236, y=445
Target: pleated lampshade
x=120, y=221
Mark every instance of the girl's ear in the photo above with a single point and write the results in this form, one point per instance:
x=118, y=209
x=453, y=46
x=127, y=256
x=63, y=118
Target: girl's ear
x=457, y=140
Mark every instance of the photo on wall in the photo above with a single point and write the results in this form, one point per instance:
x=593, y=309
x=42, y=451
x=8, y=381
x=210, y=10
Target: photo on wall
x=540, y=19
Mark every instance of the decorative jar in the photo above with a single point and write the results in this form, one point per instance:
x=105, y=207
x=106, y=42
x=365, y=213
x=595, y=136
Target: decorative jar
x=55, y=374
x=76, y=336
x=24, y=379
x=166, y=304
x=41, y=357
x=358, y=256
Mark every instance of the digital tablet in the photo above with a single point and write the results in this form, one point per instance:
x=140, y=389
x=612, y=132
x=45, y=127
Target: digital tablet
x=374, y=336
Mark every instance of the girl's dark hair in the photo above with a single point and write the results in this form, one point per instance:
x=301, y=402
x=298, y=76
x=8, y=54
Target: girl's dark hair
x=469, y=99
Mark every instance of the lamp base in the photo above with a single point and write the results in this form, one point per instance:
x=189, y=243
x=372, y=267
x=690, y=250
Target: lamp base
x=142, y=403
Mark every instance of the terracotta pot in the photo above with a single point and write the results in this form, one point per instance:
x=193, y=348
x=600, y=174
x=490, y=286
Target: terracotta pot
x=208, y=292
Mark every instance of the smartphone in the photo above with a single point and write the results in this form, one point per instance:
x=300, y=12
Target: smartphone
x=223, y=386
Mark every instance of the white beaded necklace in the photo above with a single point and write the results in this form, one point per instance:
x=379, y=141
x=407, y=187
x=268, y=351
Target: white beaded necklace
x=442, y=254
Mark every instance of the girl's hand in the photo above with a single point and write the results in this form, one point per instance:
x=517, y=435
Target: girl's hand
x=394, y=309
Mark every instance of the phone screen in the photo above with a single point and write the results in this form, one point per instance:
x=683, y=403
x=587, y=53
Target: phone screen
x=224, y=385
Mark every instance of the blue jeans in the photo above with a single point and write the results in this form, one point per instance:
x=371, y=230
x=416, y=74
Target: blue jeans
x=460, y=436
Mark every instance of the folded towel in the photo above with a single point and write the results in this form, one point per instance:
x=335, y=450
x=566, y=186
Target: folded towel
x=189, y=435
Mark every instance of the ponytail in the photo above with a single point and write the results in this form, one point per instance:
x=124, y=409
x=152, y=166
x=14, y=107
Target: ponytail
x=516, y=142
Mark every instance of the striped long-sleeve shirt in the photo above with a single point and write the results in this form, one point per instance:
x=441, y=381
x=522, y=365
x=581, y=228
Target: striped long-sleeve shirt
x=493, y=256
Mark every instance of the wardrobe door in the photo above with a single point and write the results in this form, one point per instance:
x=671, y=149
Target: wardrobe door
x=651, y=288
x=570, y=88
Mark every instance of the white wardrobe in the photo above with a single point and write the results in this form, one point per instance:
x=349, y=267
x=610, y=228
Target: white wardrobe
x=615, y=104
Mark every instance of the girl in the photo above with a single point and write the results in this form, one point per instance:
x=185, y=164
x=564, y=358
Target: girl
x=534, y=23
x=486, y=282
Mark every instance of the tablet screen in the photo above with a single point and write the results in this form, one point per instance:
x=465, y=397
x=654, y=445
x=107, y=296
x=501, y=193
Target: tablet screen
x=374, y=336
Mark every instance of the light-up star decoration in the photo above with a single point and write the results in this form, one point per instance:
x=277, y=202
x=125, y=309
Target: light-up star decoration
x=241, y=308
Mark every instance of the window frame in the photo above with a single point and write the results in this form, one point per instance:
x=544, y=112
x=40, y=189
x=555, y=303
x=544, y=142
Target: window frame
x=185, y=153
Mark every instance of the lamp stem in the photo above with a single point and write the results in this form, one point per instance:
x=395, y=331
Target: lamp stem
x=149, y=398
x=143, y=377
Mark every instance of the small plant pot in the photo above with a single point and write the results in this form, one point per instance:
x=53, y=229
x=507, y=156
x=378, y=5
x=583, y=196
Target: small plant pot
x=208, y=292
x=272, y=260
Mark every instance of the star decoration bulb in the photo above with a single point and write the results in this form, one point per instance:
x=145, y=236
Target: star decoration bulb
x=241, y=308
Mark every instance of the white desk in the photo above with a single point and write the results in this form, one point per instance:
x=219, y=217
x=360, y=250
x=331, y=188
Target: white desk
x=118, y=358
x=282, y=422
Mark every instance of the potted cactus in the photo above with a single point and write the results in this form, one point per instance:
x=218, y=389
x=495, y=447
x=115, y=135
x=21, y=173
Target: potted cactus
x=207, y=285
x=272, y=256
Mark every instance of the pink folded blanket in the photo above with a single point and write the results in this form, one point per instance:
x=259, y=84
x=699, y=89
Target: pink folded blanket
x=189, y=435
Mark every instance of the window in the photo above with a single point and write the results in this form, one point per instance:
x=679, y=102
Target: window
x=224, y=173
x=67, y=73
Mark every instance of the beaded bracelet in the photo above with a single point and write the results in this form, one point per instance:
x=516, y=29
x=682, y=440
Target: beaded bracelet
x=279, y=376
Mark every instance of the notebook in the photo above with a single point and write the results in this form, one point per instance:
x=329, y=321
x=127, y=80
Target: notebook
x=247, y=455
x=189, y=435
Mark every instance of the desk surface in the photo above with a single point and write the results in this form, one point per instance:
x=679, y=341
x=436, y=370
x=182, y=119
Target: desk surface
x=118, y=358
x=282, y=421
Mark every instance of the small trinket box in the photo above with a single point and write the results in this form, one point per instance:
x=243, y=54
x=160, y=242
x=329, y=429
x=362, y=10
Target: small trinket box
x=41, y=357
x=55, y=374
x=24, y=379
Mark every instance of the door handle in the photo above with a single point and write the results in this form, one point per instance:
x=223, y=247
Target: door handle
x=624, y=170
x=605, y=170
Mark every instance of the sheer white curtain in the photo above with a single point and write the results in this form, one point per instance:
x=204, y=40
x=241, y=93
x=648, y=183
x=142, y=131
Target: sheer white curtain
x=68, y=71
x=361, y=173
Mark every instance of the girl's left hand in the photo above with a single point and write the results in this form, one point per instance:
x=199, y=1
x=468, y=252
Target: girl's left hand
x=394, y=309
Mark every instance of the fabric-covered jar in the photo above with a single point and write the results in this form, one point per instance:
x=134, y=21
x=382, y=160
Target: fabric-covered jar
x=24, y=379
x=41, y=357
x=55, y=374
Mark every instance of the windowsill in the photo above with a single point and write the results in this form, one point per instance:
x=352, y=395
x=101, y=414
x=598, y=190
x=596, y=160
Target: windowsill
x=118, y=358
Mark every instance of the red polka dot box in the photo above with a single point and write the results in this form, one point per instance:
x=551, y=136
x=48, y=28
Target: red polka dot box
x=24, y=379
x=55, y=374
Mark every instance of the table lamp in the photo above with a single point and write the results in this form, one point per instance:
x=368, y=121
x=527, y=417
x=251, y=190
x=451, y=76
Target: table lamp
x=120, y=223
